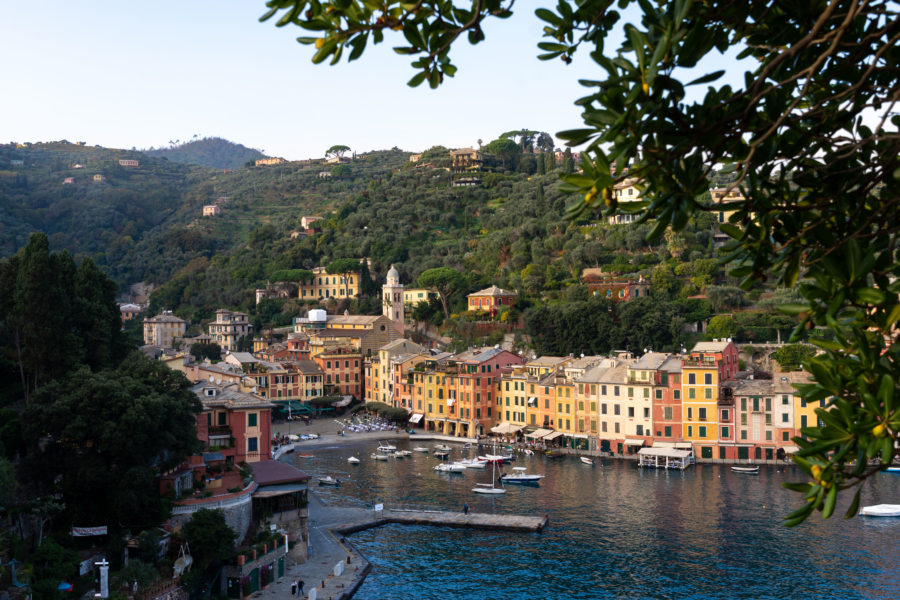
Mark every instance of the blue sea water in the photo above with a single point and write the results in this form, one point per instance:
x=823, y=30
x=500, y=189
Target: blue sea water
x=615, y=531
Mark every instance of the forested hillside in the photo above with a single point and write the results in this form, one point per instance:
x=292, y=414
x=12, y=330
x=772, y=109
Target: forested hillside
x=145, y=223
x=210, y=152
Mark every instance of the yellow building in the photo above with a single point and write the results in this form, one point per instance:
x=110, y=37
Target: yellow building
x=329, y=285
x=162, y=329
x=412, y=297
x=700, y=397
x=269, y=161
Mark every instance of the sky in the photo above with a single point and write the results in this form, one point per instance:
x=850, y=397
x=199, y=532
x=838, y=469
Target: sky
x=142, y=74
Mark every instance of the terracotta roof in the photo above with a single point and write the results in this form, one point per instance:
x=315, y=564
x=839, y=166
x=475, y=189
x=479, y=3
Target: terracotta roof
x=710, y=346
x=164, y=319
x=494, y=291
x=273, y=472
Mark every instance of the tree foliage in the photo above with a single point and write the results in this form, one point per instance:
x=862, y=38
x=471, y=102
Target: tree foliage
x=97, y=438
x=445, y=280
x=210, y=537
x=811, y=135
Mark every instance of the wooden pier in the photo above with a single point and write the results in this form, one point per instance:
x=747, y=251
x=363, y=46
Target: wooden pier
x=448, y=519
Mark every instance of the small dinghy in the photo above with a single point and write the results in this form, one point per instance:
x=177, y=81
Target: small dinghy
x=746, y=470
x=329, y=480
x=587, y=461
x=881, y=510
x=353, y=460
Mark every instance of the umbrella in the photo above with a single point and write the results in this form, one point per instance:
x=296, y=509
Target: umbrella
x=64, y=586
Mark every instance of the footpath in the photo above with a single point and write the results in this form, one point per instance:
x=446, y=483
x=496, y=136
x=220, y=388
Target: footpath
x=326, y=551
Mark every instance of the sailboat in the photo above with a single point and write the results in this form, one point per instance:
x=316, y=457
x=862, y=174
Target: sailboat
x=485, y=488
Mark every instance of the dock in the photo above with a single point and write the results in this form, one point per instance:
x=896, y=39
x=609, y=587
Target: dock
x=440, y=518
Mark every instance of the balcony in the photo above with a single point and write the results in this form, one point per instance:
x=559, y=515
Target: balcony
x=219, y=430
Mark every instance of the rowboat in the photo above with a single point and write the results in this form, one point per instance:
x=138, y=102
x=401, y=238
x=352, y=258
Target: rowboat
x=353, y=460
x=420, y=449
x=895, y=470
x=449, y=468
x=329, y=480
x=381, y=456
x=746, y=470
x=881, y=510
x=587, y=461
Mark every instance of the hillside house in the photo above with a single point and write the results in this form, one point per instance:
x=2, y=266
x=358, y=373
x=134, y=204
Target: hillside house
x=491, y=299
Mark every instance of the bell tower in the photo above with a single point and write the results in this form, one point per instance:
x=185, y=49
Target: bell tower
x=392, y=299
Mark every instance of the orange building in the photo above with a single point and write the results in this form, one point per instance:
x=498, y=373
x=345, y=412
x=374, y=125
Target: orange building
x=491, y=299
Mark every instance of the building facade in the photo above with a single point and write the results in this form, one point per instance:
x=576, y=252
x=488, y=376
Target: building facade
x=162, y=329
x=229, y=327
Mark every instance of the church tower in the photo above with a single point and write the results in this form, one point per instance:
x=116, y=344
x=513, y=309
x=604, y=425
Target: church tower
x=392, y=299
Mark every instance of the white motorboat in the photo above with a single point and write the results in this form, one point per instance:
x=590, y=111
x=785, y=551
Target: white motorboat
x=473, y=463
x=385, y=447
x=449, y=468
x=892, y=470
x=353, y=460
x=746, y=470
x=329, y=480
x=529, y=452
x=881, y=510
x=488, y=488
x=398, y=454
x=420, y=449
x=442, y=447
x=381, y=456
x=587, y=461
x=520, y=476
x=404, y=452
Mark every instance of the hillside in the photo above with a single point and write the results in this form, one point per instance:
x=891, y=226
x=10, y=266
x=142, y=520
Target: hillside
x=145, y=223
x=212, y=152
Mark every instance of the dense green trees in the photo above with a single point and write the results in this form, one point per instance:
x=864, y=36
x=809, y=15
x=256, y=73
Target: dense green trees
x=210, y=537
x=55, y=315
x=97, y=439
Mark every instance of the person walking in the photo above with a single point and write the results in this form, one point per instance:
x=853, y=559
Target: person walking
x=300, y=587
x=466, y=508
x=294, y=587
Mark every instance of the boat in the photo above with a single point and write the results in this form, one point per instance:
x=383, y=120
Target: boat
x=404, y=452
x=420, y=449
x=329, y=480
x=306, y=455
x=449, y=468
x=529, y=452
x=587, y=461
x=488, y=488
x=892, y=470
x=442, y=447
x=353, y=460
x=385, y=447
x=381, y=456
x=746, y=470
x=881, y=510
x=520, y=476
x=441, y=454
x=467, y=445
x=555, y=454
x=473, y=463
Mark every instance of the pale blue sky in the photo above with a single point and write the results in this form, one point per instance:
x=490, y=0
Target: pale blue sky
x=123, y=74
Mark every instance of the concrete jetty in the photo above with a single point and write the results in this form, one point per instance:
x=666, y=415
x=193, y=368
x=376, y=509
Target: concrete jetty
x=446, y=519
x=336, y=568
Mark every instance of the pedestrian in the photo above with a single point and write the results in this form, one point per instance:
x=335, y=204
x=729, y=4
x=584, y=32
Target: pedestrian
x=466, y=508
x=300, y=586
x=293, y=588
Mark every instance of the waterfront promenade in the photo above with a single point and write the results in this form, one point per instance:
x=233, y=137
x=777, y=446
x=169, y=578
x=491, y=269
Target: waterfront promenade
x=329, y=524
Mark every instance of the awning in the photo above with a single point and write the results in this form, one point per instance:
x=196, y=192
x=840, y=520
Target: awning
x=506, y=428
x=667, y=452
x=791, y=449
x=271, y=491
x=634, y=442
x=538, y=433
x=553, y=435
x=663, y=444
x=684, y=445
x=532, y=401
x=580, y=436
x=416, y=417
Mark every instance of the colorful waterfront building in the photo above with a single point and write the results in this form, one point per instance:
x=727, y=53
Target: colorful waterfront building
x=667, y=413
x=235, y=424
x=709, y=364
x=342, y=371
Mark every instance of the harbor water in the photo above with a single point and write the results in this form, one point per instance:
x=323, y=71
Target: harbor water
x=616, y=531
